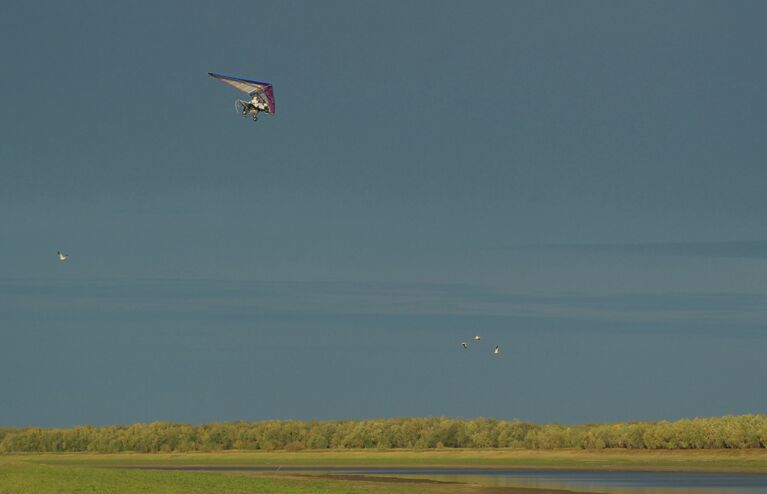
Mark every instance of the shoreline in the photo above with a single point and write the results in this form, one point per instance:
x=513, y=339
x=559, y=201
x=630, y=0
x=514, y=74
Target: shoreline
x=317, y=472
x=694, y=461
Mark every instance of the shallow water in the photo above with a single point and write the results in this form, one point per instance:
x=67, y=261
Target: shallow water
x=577, y=480
x=613, y=482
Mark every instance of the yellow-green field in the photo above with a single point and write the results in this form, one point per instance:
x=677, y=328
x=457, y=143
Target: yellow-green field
x=750, y=460
x=74, y=472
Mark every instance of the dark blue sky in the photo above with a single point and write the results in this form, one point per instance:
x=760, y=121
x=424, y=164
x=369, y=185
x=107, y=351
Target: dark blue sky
x=581, y=183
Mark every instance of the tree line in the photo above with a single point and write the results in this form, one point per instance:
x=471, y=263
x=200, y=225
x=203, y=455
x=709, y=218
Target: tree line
x=744, y=431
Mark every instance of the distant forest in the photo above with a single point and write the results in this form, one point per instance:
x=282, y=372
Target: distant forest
x=744, y=431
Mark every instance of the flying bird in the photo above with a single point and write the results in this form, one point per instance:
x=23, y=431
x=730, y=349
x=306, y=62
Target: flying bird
x=62, y=256
x=477, y=338
x=497, y=350
x=465, y=345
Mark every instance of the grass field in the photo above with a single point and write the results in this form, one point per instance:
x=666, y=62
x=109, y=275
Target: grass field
x=20, y=476
x=750, y=460
x=75, y=472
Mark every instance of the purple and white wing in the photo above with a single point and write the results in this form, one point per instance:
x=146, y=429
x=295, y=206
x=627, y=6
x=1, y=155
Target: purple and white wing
x=249, y=86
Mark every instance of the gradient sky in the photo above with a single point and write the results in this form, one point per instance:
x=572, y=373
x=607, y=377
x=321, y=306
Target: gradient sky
x=582, y=183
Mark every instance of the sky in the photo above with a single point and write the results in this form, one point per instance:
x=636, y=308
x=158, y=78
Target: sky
x=581, y=183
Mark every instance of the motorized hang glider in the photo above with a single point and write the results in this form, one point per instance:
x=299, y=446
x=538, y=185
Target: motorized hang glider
x=261, y=95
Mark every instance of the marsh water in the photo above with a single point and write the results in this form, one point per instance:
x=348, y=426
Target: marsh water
x=574, y=480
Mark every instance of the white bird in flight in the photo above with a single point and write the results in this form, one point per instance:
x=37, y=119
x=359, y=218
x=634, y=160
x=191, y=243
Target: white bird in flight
x=465, y=345
x=477, y=338
x=62, y=256
x=497, y=350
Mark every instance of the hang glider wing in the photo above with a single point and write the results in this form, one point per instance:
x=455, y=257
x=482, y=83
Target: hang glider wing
x=250, y=87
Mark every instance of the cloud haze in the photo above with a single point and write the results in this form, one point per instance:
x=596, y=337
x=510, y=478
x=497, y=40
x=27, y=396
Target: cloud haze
x=581, y=183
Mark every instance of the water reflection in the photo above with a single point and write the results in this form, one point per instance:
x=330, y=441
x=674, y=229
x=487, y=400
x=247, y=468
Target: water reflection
x=579, y=480
x=605, y=482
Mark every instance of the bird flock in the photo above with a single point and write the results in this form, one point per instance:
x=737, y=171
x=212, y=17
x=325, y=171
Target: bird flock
x=465, y=344
x=477, y=339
